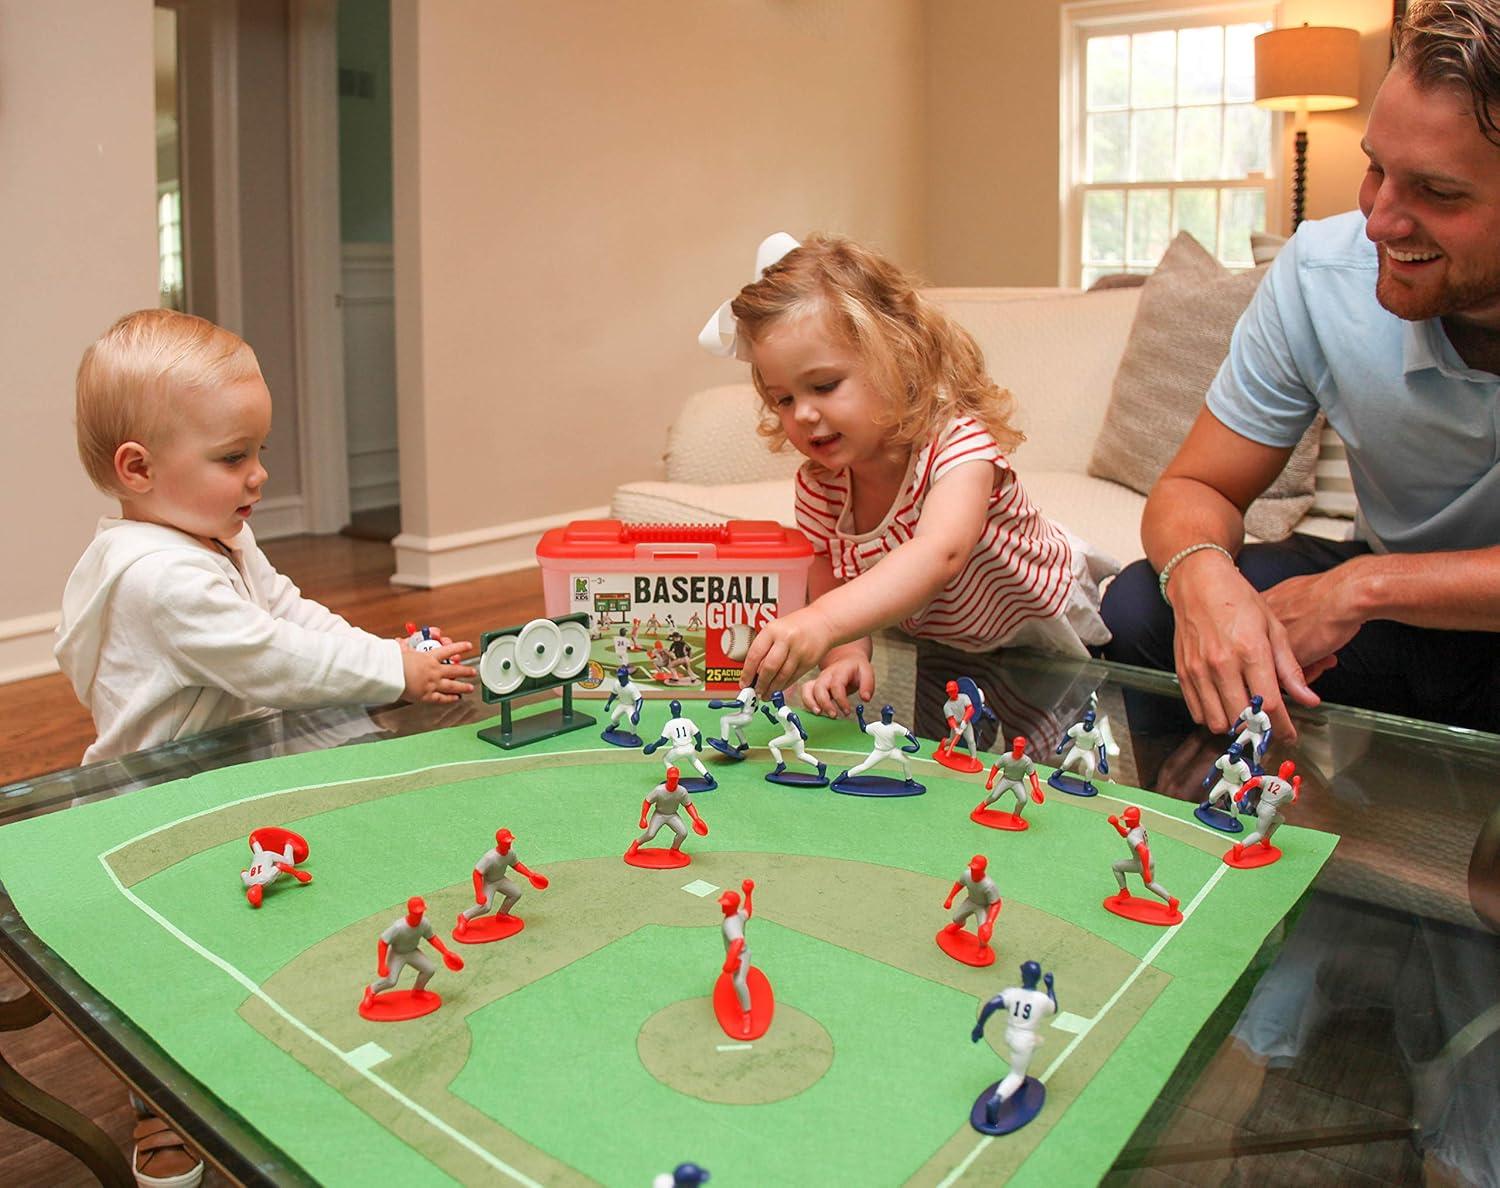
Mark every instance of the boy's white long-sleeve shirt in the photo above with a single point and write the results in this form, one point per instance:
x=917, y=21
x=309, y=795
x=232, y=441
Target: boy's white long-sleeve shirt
x=163, y=638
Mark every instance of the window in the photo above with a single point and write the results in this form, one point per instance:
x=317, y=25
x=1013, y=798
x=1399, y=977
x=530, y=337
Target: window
x=1163, y=136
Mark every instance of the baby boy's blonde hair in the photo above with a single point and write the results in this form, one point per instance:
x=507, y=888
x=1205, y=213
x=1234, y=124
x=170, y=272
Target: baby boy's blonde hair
x=129, y=378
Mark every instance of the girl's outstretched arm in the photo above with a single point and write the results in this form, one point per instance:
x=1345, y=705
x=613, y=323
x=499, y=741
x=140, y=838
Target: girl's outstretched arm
x=906, y=579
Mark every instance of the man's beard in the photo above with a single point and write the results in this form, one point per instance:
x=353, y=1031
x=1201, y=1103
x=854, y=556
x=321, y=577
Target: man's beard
x=1416, y=303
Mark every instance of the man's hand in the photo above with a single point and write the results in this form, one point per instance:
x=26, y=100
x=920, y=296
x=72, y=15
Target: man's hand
x=786, y=648
x=1318, y=613
x=1229, y=644
x=429, y=679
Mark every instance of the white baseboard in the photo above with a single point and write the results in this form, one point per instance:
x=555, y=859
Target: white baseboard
x=282, y=516
x=482, y=552
x=26, y=646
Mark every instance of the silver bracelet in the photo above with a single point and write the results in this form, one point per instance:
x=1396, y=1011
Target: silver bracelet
x=1166, y=570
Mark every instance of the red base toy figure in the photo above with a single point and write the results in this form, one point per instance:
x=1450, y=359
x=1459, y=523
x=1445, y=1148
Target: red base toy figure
x=667, y=798
x=983, y=899
x=397, y=948
x=743, y=1000
x=1271, y=793
x=960, y=710
x=474, y=927
x=1143, y=911
x=273, y=853
x=1019, y=772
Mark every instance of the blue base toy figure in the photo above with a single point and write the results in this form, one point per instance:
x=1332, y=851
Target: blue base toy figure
x=888, y=735
x=1085, y=745
x=1228, y=775
x=795, y=737
x=732, y=743
x=683, y=741
x=1010, y=1103
x=626, y=698
x=1252, y=732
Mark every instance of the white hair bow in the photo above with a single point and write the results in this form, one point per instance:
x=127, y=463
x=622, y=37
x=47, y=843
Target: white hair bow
x=721, y=335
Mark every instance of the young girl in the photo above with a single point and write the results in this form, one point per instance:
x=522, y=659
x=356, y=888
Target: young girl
x=905, y=437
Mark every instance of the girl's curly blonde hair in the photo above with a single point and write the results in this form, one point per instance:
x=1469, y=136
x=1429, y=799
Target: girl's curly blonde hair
x=925, y=365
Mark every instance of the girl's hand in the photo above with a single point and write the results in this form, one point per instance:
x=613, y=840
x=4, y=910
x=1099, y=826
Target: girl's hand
x=429, y=679
x=786, y=648
x=828, y=692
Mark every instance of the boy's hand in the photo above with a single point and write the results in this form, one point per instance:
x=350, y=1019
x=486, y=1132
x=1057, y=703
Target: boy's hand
x=428, y=678
x=828, y=692
x=786, y=648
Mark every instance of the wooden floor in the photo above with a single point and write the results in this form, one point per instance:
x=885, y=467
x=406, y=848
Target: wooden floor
x=43, y=728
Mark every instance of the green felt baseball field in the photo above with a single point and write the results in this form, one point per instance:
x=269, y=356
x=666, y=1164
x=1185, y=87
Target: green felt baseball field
x=584, y=1048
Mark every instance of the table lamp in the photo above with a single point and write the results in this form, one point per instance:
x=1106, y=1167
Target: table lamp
x=1302, y=69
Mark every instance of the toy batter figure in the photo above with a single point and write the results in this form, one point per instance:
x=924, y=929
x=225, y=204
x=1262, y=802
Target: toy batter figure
x=680, y=653
x=397, y=948
x=627, y=699
x=489, y=882
x=1026, y=1009
x=635, y=630
x=1139, y=862
x=1018, y=775
x=621, y=645
x=894, y=742
x=742, y=710
x=794, y=736
x=1231, y=770
x=959, y=711
x=1084, y=743
x=982, y=899
x=1273, y=792
x=273, y=853
x=663, y=804
x=683, y=740
x=743, y=1002
x=1254, y=726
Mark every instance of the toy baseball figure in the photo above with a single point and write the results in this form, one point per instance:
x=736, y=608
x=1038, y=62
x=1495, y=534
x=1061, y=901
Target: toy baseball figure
x=490, y=882
x=1085, y=745
x=398, y=947
x=1139, y=862
x=273, y=853
x=1009, y=1104
x=657, y=659
x=743, y=1002
x=1254, y=728
x=653, y=626
x=683, y=740
x=662, y=804
x=894, y=742
x=1267, y=794
x=965, y=705
x=1018, y=775
x=696, y=622
x=981, y=901
x=684, y=1175
x=1228, y=776
x=742, y=710
x=796, y=737
x=680, y=656
x=621, y=645
x=627, y=699
x=423, y=639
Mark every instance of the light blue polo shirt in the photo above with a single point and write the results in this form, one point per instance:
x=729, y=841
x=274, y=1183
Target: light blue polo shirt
x=1419, y=426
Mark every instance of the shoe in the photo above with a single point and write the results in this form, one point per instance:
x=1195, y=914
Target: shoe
x=822, y=770
x=255, y=894
x=463, y=924
x=1238, y=851
x=369, y=999
x=634, y=846
x=1172, y=904
x=161, y=1158
x=780, y=767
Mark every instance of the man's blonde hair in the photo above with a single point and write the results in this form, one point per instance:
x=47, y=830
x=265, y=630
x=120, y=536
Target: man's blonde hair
x=130, y=376
x=926, y=368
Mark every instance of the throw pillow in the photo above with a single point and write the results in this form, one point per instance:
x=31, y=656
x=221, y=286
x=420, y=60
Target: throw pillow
x=1180, y=335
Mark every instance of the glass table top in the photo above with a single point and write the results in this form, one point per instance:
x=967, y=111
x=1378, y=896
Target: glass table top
x=1361, y=1042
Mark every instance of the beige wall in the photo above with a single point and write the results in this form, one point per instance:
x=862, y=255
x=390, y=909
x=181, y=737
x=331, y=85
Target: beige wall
x=992, y=155
x=78, y=245
x=579, y=184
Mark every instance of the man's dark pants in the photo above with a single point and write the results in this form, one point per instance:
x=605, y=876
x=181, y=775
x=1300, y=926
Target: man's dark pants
x=1442, y=676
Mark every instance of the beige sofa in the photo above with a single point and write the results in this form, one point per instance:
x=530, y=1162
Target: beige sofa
x=1056, y=349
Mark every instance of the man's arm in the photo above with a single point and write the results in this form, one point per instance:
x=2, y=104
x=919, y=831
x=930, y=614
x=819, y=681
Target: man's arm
x=1229, y=642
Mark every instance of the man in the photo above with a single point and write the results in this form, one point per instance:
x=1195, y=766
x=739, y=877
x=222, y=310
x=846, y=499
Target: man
x=1388, y=320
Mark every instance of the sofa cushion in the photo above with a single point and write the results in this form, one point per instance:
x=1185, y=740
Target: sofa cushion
x=654, y=502
x=713, y=440
x=1188, y=310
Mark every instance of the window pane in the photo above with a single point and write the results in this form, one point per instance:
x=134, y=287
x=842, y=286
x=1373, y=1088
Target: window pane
x=1198, y=143
x=1197, y=213
x=1108, y=72
x=1242, y=211
x=1104, y=227
x=1247, y=140
x=1151, y=145
x=1149, y=223
x=1106, y=146
x=1239, y=62
x=1153, y=64
x=1200, y=63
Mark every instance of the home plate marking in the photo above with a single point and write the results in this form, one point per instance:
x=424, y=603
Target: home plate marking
x=367, y=1056
x=699, y=888
x=1067, y=1021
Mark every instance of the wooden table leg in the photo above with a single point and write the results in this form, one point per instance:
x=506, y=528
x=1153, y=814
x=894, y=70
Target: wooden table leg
x=26, y=1106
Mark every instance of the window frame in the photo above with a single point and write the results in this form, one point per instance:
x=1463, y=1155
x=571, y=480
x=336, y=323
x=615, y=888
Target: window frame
x=1082, y=19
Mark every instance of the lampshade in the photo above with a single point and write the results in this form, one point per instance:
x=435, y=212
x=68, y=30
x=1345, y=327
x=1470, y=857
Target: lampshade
x=1314, y=68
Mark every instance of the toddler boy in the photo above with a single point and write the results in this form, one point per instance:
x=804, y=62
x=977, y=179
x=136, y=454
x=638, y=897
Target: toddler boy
x=174, y=621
